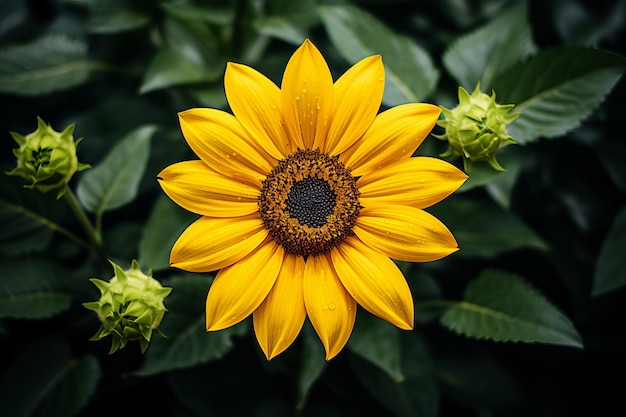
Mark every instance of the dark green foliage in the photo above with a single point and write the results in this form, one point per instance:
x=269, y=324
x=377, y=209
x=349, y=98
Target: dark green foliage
x=526, y=319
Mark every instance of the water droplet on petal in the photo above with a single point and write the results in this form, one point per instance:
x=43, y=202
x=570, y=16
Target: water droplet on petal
x=332, y=306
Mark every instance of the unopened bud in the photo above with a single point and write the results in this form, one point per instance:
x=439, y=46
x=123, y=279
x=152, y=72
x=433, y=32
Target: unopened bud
x=46, y=158
x=476, y=128
x=130, y=307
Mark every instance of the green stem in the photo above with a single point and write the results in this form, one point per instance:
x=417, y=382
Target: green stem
x=92, y=234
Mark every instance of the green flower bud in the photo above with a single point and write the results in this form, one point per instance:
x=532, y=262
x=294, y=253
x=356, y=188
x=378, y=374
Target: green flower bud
x=130, y=307
x=46, y=158
x=476, y=128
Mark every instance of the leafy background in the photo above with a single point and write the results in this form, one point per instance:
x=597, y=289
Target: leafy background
x=527, y=319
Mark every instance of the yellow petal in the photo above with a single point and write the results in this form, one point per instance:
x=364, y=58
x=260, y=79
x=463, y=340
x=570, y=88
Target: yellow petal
x=240, y=288
x=358, y=94
x=419, y=182
x=404, y=233
x=374, y=281
x=256, y=102
x=307, y=97
x=197, y=188
x=330, y=308
x=279, y=319
x=212, y=243
x=395, y=134
x=220, y=141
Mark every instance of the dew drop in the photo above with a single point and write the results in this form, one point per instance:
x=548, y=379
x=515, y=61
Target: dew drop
x=297, y=98
x=304, y=80
x=304, y=91
x=331, y=307
x=381, y=79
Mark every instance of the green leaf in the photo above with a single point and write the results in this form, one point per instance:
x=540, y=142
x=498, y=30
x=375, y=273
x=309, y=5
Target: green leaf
x=502, y=307
x=32, y=288
x=170, y=68
x=378, y=342
x=54, y=62
x=610, y=269
x=287, y=20
x=417, y=394
x=409, y=71
x=24, y=215
x=212, y=11
x=165, y=224
x=556, y=89
x=490, y=50
x=116, y=16
x=188, y=342
x=115, y=181
x=483, y=229
x=197, y=62
x=313, y=364
x=45, y=380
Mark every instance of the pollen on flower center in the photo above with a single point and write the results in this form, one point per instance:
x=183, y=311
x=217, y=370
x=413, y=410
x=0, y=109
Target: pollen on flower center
x=309, y=202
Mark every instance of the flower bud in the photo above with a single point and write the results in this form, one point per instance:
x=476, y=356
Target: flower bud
x=46, y=158
x=476, y=128
x=130, y=307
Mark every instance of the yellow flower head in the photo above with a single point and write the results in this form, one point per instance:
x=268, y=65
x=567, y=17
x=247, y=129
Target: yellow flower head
x=305, y=193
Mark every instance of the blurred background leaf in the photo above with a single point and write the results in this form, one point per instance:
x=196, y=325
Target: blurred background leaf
x=54, y=62
x=490, y=50
x=410, y=74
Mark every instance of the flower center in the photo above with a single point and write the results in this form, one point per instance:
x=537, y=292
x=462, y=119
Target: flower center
x=309, y=202
x=41, y=157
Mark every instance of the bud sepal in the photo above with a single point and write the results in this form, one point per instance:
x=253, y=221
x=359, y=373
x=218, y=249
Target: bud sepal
x=130, y=307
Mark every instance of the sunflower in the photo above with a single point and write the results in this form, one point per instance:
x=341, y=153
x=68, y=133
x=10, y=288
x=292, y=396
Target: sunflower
x=306, y=194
